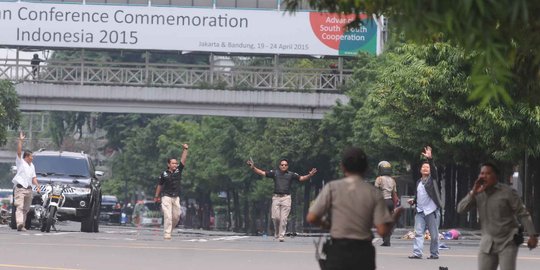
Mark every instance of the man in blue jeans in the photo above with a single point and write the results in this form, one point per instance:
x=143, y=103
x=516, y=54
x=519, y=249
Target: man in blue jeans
x=428, y=205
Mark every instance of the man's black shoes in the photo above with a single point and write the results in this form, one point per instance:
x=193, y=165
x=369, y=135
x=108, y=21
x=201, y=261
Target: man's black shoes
x=429, y=258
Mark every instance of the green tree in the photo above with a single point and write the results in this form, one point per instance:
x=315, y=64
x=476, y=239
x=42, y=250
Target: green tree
x=9, y=112
x=119, y=126
x=219, y=148
x=63, y=124
x=501, y=34
x=414, y=96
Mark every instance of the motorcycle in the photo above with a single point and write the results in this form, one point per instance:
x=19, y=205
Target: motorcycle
x=4, y=216
x=52, y=198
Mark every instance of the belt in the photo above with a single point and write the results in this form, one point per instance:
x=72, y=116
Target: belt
x=351, y=242
x=20, y=186
x=281, y=194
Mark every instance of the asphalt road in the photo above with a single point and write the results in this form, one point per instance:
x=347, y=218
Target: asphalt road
x=117, y=247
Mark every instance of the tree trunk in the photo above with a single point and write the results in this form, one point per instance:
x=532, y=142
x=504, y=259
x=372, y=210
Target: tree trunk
x=291, y=224
x=448, y=174
x=228, y=215
x=532, y=190
x=236, y=204
x=247, y=216
x=307, y=202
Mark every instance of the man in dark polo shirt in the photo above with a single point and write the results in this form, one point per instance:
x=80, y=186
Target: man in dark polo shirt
x=281, y=200
x=169, y=188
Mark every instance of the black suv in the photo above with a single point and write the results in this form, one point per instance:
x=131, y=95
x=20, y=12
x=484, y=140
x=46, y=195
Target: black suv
x=109, y=211
x=83, y=197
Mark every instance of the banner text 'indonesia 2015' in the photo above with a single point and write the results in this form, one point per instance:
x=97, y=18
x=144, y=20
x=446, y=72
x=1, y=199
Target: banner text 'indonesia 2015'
x=183, y=29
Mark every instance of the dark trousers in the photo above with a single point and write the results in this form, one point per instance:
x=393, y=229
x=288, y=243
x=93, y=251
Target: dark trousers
x=348, y=254
x=390, y=206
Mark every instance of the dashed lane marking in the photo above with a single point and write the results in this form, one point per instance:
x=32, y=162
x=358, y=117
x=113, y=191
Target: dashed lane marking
x=19, y=266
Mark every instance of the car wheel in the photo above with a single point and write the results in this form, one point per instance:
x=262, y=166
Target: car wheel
x=88, y=224
x=95, y=217
x=13, y=222
x=28, y=222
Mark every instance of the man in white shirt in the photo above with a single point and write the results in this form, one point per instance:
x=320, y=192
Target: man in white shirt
x=23, y=180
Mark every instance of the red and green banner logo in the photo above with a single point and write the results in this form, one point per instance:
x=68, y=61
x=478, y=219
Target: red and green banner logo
x=330, y=29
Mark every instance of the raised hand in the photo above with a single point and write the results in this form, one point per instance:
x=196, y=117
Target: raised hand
x=427, y=152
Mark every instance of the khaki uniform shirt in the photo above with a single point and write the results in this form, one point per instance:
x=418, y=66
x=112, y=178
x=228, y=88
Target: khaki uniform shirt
x=387, y=185
x=355, y=206
x=499, y=207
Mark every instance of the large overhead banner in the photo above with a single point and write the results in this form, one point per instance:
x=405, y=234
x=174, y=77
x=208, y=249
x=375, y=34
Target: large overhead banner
x=183, y=29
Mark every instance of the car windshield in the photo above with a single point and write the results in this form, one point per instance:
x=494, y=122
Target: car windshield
x=56, y=165
x=5, y=194
x=109, y=199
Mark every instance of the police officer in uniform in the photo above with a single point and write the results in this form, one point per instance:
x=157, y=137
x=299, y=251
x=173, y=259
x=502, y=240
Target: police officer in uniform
x=281, y=200
x=169, y=188
x=387, y=185
x=354, y=207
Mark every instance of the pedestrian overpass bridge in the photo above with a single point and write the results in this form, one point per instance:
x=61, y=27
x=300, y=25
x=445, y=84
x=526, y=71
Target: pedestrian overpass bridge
x=218, y=88
x=213, y=89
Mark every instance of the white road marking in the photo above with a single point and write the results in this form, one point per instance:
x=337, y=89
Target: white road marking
x=229, y=238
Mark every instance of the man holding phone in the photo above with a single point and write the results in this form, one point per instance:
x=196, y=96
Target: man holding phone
x=499, y=207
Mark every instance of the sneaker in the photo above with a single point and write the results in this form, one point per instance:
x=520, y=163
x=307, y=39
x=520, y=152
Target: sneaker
x=385, y=244
x=281, y=239
x=433, y=257
x=20, y=227
x=415, y=257
x=167, y=237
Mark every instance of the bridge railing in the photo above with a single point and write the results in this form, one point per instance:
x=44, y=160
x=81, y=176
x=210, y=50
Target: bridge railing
x=175, y=75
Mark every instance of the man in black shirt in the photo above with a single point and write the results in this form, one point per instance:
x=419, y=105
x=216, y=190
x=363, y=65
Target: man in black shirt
x=281, y=200
x=169, y=188
x=35, y=65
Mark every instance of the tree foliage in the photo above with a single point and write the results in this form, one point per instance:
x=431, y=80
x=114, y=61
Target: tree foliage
x=64, y=124
x=119, y=126
x=219, y=148
x=9, y=112
x=417, y=95
x=501, y=34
